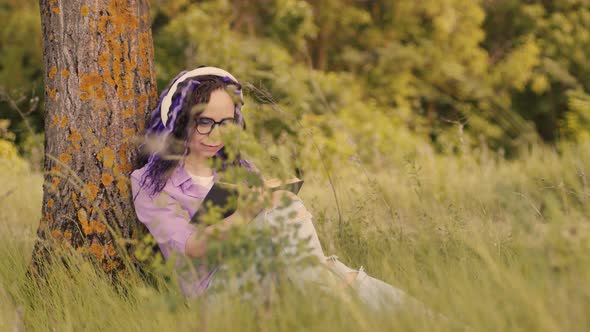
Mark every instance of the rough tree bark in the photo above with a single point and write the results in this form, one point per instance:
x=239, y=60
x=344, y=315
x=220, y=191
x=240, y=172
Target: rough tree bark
x=99, y=87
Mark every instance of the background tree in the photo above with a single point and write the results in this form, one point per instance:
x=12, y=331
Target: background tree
x=556, y=100
x=503, y=73
x=21, y=76
x=99, y=84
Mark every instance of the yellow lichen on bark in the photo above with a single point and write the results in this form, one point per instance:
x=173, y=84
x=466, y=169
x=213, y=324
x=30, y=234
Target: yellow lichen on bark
x=121, y=74
x=141, y=103
x=53, y=7
x=106, y=76
x=46, y=221
x=42, y=225
x=106, y=179
x=100, y=93
x=56, y=234
x=97, y=250
x=54, y=171
x=123, y=187
x=52, y=72
x=128, y=133
x=63, y=122
x=110, y=265
x=108, y=157
x=145, y=69
x=49, y=219
x=86, y=228
x=84, y=11
x=88, y=84
x=111, y=250
x=91, y=25
x=91, y=191
x=127, y=113
x=124, y=165
x=52, y=93
x=54, y=121
x=65, y=73
x=74, y=136
x=65, y=158
x=88, y=81
x=55, y=182
x=83, y=219
x=123, y=149
x=50, y=203
x=97, y=227
x=82, y=215
x=104, y=59
x=122, y=18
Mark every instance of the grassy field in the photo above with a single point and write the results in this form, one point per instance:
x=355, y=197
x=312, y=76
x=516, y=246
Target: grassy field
x=494, y=245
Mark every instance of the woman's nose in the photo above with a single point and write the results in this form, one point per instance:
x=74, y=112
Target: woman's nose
x=215, y=133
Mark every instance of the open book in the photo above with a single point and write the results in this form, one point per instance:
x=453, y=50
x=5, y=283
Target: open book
x=293, y=185
x=224, y=196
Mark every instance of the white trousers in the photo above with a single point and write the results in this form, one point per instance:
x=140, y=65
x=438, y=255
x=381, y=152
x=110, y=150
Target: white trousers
x=373, y=292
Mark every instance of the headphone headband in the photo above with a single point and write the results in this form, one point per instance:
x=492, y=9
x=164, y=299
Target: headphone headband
x=167, y=101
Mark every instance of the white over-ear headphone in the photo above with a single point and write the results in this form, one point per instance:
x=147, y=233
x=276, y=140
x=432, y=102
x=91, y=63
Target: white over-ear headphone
x=167, y=101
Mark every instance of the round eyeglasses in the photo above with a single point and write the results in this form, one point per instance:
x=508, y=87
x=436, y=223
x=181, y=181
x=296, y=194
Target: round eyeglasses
x=206, y=125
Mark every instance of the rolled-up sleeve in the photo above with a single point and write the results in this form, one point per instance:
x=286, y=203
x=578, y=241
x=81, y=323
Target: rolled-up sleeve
x=164, y=217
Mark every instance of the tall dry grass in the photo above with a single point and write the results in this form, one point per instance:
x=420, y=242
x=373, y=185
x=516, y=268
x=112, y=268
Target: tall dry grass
x=493, y=244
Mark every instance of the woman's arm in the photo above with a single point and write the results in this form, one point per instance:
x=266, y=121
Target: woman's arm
x=164, y=217
x=196, y=244
x=170, y=225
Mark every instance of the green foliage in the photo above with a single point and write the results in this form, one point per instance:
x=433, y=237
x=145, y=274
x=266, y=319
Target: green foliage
x=9, y=157
x=21, y=63
x=559, y=31
x=429, y=66
x=20, y=41
x=577, y=121
x=501, y=74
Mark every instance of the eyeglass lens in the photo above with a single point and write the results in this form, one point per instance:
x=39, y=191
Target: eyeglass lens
x=206, y=125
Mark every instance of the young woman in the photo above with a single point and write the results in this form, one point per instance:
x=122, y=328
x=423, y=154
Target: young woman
x=167, y=192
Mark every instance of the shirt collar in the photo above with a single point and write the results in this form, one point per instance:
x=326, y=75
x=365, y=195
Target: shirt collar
x=180, y=177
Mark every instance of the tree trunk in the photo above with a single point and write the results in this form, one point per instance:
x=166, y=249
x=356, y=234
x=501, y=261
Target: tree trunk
x=99, y=87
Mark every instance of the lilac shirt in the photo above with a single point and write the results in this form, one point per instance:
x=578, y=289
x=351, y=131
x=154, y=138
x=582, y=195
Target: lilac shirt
x=167, y=216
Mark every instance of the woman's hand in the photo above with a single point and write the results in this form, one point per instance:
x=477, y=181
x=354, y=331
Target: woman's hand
x=252, y=201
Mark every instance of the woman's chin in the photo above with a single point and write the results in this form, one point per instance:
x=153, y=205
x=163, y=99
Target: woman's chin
x=210, y=153
x=209, y=150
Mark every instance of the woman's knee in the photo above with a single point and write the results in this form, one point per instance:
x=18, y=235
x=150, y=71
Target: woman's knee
x=283, y=198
